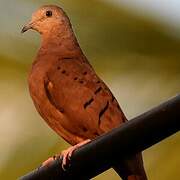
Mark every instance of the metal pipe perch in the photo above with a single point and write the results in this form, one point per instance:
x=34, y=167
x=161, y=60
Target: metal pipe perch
x=134, y=136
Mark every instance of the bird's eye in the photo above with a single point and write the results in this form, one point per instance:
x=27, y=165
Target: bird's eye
x=48, y=13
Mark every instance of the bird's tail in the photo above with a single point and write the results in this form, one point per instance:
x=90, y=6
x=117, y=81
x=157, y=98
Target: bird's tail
x=141, y=176
x=135, y=177
x=131, y=169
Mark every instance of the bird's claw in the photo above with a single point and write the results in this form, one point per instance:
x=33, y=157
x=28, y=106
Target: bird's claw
x=47, y=162
x=66, y=157
x=67, y=154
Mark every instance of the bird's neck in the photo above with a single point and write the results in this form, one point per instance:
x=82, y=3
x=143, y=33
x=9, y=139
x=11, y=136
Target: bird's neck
x=60, y=41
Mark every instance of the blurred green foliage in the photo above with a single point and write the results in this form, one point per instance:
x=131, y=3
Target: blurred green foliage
x=133, y=54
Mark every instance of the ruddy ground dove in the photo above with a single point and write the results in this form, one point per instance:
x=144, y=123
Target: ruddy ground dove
x=67, y=92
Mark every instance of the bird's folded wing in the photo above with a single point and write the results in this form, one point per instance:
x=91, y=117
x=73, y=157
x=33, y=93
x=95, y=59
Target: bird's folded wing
x=77, y=92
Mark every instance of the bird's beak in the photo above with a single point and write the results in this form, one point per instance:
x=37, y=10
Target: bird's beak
x=27, y=27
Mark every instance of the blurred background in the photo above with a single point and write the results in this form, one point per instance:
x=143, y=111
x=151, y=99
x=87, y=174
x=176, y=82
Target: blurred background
x=133, y=45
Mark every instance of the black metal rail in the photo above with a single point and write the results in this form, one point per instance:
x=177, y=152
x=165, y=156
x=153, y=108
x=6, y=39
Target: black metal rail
x=134, y=136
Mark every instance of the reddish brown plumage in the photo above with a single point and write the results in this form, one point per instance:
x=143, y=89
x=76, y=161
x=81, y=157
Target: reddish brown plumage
x=65, y=89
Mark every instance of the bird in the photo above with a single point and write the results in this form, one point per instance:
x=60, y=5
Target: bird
x=68, y=94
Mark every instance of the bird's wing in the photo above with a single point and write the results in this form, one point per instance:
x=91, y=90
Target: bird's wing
x=75, y=90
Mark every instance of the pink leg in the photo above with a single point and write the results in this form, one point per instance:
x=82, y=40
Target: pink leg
x=68, y=152
x=48, y=161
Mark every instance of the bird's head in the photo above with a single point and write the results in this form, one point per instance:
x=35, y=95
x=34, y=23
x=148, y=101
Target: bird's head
x=47, y=18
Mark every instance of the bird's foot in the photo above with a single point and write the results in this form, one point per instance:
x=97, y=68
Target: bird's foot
x=49, y=161
x=66, y=154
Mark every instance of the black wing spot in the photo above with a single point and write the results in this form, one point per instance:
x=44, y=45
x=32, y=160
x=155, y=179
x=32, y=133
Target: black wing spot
x=75, y=78
x=85, y=73
x=88, y=103
x=81, y=81
x=84, y=129
x=103, y=111
x=58, y=67
x=62, y=58
x=63, y=71
x=98, y=90
x=61, y=109
x=98, y=82
x=67, y=58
